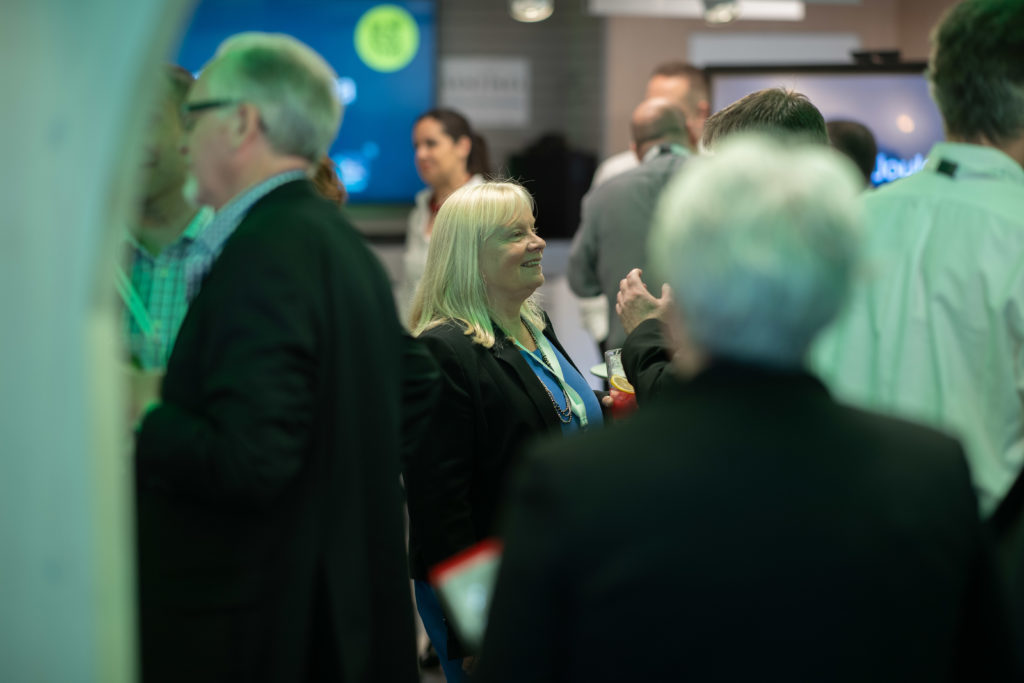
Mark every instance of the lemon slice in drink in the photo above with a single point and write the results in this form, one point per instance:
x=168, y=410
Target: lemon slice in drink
x=622, y=384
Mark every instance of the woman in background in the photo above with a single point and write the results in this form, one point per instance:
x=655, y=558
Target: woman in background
x=448, y=155
x=504, y=378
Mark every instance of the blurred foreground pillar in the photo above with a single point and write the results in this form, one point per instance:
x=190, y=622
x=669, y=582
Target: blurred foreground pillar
x=75, y=77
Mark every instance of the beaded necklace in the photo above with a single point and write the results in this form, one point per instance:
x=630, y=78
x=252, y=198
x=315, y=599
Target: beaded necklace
x=564, y=416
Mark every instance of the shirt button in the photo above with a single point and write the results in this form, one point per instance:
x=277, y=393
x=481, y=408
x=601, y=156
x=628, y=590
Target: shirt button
x=161, y=273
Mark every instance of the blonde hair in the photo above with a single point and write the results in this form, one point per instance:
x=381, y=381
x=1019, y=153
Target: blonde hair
x=452, y=288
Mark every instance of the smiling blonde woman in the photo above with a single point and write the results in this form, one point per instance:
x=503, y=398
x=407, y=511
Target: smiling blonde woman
x=505, y=378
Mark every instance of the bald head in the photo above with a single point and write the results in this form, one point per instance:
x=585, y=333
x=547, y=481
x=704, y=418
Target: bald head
x=658, y=120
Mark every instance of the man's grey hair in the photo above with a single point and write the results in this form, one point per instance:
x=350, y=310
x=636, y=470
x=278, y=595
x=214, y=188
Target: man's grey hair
x=759, y=243
x=293, y=87
x=976, y=70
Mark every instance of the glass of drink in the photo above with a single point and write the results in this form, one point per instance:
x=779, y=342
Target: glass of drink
x=622, y=392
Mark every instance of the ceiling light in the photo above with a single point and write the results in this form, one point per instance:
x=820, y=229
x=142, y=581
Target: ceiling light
x=531, y=10
x=721, y=11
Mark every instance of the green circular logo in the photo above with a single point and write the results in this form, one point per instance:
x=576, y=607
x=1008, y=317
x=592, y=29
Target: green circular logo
x=387, y=38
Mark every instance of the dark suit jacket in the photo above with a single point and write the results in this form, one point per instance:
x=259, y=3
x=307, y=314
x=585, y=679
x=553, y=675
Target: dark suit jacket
x=269, y=510
x=647, y=361
x=490, y=403
x=747, y=528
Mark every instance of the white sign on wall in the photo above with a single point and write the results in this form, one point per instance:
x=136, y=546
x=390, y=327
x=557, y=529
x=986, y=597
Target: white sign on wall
x=744, y=49
x=492, y=92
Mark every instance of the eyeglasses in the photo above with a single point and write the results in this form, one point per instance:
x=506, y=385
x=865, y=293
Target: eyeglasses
x=190, y=111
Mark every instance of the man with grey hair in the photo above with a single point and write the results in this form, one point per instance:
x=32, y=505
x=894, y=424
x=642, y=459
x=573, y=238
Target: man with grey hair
x=935, y=330
x=270, y=532
x=766, y=526
x=616, y=216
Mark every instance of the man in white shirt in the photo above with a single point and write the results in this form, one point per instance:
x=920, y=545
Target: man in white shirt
x=935, y=330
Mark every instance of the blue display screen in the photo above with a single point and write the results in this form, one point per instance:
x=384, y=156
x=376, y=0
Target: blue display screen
x=384, y=55
x=895, y=105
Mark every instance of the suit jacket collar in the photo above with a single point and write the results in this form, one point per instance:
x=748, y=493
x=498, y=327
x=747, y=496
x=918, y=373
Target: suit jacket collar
x=227, y=219
x=508, y=353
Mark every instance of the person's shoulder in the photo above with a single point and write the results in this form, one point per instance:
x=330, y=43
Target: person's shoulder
x=453, y=349
x=916, y=184
x=301, y=227
x=451, y=335
x=653, y=173
x=445, y=329
x=903, y=443
x=295, y=202
x=613, y=166
x=422, y=198
x=609, y=194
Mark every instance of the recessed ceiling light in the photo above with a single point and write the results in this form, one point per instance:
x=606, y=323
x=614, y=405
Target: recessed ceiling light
x=531, y=10
x=721, y=11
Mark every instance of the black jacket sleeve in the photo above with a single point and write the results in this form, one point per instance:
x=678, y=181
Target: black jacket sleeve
x=647, y=361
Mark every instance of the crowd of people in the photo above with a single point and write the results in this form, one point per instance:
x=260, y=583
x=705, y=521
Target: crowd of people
x=822, y=481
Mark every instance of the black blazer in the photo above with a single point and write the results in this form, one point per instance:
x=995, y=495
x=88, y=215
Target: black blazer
x=270, y=530
x=747, y=528
x=647, y=361
x=490, y=402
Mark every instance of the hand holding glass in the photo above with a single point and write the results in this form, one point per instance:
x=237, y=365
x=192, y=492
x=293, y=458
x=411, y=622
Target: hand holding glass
x=622, y=392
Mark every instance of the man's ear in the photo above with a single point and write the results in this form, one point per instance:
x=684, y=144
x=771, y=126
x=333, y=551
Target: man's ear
x=246, y=124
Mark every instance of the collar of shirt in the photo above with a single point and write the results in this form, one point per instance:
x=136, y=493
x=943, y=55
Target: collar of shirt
x=665, y=148
x=231, y=214
x=192, y=231
x=964, y=160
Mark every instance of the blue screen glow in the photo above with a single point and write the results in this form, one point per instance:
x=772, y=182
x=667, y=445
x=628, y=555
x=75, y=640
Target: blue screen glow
x=896, y=107
x=385, y=83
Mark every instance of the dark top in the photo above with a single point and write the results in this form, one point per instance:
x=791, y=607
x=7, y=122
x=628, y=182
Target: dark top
x=745, y=527
x=489, y=404
x=270, y=531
